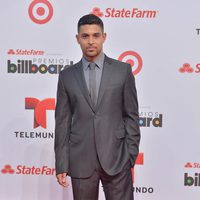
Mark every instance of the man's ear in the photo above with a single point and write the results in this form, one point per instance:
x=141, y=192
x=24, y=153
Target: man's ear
x=77, y=38
x=104, y=36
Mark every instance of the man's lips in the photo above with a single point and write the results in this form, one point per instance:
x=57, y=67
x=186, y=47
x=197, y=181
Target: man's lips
x=91, y=48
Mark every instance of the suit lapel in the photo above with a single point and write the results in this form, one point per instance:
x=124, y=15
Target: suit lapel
x=82, y=83
x=106, y=77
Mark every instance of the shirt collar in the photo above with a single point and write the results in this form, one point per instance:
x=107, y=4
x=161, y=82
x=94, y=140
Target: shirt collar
x=99, y=61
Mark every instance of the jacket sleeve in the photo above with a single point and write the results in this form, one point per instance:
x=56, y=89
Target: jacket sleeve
x=62, y=128
x=131, y=116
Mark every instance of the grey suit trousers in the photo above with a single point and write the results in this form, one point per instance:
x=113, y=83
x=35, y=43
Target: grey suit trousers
x=117, y=187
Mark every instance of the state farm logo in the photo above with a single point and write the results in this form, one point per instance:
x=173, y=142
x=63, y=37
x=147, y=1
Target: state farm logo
x=192, y=165
x=40, y=108
x=40, y=11
x=28, y=170
x=96, y=11
x=134, y=59
x=25, y=52
x=186, y=68
x=7, y=170
x=124, y=13
x=11, y=52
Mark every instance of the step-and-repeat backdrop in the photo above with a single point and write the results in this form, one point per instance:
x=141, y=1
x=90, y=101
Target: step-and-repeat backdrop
x=160, y=39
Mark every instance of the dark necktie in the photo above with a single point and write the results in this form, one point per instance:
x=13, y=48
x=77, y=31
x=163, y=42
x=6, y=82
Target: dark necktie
x=92, y=83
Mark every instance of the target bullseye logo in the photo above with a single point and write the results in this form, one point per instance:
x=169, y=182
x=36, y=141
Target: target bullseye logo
x=134, y=59
x=40, y=11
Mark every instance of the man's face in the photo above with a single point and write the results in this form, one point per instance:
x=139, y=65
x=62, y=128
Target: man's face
x=91, y=39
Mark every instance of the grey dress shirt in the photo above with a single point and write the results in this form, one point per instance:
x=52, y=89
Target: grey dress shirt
x=98, y=70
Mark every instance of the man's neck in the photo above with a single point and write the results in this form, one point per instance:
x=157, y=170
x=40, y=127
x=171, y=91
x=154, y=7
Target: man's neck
x=93, y=59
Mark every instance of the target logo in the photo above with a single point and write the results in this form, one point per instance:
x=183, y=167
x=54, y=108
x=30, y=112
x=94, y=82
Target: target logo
x=40, y=11
x=134, y=59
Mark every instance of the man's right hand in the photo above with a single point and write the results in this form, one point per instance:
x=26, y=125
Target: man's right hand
x=62, y=179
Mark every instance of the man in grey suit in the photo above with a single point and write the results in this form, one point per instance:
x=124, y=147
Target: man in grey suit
x=97, y=132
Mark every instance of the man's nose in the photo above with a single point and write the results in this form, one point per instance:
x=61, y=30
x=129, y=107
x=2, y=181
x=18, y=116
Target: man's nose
x=90, y=41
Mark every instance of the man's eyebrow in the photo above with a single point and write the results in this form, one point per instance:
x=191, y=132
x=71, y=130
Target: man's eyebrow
x=97, y=33
x=84, y=34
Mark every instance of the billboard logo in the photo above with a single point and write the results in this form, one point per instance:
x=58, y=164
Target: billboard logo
x=7, y=170
x=40, y=108
x=28, y=67
x=192, y=181
x=40, y=11
x=148, y=121
x=132, y=58
x=96, y=11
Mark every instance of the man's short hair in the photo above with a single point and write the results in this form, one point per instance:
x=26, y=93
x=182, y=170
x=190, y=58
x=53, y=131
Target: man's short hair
x=90, y=19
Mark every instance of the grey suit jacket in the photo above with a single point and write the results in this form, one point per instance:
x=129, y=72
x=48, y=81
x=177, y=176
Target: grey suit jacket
x=111, y=127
